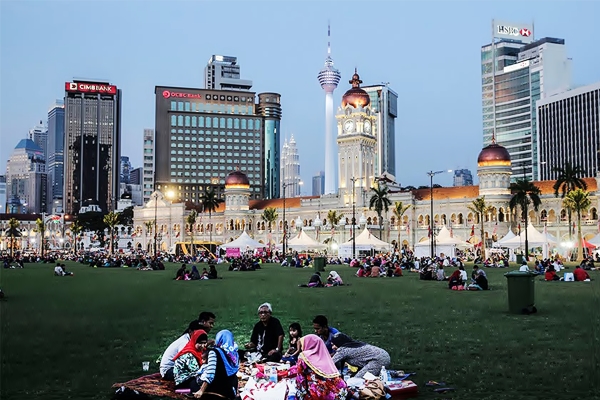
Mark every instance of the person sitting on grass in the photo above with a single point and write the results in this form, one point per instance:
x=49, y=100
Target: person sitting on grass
x=212, y=273
x=580, y=274
x=334, y=279
x=195, y=274
x=366, y=357
x=455, y=280
x=291, y=355
x=440, y=274
x=180, y=274
x=267, y=335
x=480, y=278
x=188, y=361
x=324, y=331
x=218, y=379
x=315, y=280
x=167, y=362
x=550, y=274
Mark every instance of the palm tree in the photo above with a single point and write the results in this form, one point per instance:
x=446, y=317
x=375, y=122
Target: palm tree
x=13, y=232
x=111, y=220
x=525, y=193
x=399, y=210
x=149, y=225
x=41, y=229
x=333, y=217
x=578, y=200
x=191, y=221
x=75, y=231
x=480, y=208
x=567, y=181
x=380, y=202
x=269, y=215
x=210, y=203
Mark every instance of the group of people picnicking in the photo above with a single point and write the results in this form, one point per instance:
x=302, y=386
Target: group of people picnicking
x=183, y=274
x=208, y=367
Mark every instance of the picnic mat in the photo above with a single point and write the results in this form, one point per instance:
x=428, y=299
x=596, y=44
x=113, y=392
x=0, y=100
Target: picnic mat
x=152, y=385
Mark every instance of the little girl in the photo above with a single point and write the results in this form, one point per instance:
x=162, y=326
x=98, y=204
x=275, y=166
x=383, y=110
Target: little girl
x=291, y=355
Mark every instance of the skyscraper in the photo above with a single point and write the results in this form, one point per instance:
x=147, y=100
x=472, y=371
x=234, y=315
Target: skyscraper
x=568, y=130
x=329, y=78
x=3, y=194
x=512, y=82
x=135, y=177
x=385, y=103
x=125, y=171
x=269, y=107
x=56, y=143
x=26, y=180
x=92, y=145
x=148, y=168
x=318, y=184
x=290, y=169
x=463, y=177
x=223, y=73
x=39, y=135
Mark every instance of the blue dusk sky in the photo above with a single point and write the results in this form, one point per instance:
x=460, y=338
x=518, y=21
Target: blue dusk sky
x=428, y=51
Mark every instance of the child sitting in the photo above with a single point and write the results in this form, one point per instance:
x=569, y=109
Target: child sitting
x=291, y=355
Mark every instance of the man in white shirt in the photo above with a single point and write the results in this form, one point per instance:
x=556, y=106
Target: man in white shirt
x=58, y=270
x=524, y=267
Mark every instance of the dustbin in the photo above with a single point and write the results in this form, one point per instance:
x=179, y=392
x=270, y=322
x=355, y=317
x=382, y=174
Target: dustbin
x=319, y=264
x=519, y=259
x=521, y=292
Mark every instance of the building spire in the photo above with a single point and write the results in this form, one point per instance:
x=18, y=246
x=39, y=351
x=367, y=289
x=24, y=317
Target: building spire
x=493, y=136
x=328, y=38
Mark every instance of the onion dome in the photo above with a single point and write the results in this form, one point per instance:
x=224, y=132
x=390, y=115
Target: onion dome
x=237, y=179
x=356, y=97
x=493, y=155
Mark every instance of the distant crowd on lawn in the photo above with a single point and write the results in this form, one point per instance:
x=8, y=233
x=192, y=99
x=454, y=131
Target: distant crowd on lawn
x=208, y=367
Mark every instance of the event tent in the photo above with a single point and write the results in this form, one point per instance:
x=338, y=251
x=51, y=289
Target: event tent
x=243, y=242
x=595, y=240
x=304, y=242
x=364, y=241
x=535, y=238
x=505, y=239
x=445, y=243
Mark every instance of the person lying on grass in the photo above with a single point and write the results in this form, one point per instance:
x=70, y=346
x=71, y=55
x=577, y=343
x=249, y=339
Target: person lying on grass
x=366, y=357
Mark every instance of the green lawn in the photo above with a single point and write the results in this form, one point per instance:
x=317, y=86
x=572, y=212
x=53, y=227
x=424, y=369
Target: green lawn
x=72, y=338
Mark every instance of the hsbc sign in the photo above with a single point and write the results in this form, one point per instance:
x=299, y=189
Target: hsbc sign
x=521, y=32
x=87, y=87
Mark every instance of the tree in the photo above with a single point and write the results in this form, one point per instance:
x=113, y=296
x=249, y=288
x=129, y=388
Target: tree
x=76, y=230
x=399, y=210
x=41, y=229
x=111, y=220
x=191, y=221
x=380, y=202
x=333, y=217
x=578, y=200
x=93, y=221
x=149, y=225
x=269, y=215
x=126, y=217
x=210, y=202
x=480, y=208
x=13, y=232
x=525, y=193
x=567, y=181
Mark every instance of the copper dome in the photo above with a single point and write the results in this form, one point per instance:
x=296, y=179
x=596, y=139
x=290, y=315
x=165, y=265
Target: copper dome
x=494, y=154
x=356, y=97
x=237, y=178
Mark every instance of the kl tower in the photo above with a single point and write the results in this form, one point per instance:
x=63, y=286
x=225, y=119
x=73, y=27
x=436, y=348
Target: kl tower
x=329, y=77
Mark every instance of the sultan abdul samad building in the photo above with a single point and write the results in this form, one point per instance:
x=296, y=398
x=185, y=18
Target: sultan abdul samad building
x=356, y=155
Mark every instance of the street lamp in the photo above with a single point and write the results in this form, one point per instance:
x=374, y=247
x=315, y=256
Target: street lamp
x=431, y=233
x=353, y=179
x=285, y=185
x=170, y=196
x=155, y=230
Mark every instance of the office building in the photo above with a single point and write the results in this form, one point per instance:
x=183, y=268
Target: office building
x=329, y=78
x=92, y=147
x=223, y=73
x=201, y=134
x=385, y=103
x=55, y=156
x=26, y=179
x=39, y=135
x=568, y=130
x=149, y=163
x=318, y=184
x=511, y=85
x=463, y=177
x=2, y=194
x=290, y=169
x=135, y=177
x=125, y=172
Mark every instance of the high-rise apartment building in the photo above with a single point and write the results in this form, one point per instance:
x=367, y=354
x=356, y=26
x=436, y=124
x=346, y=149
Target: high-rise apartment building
x=568, y=130
x=55, y=150
x=92, y=147
x=512, y=82
x=149, y=165
x=385, y=103
x=125, y=171
x=26, y=179
x=318, y=184
x=203, y=134
x=136, y=176
x=2, y=194
x=463, y=177
x=290, y=169
x=39, y=135
x=223, y=73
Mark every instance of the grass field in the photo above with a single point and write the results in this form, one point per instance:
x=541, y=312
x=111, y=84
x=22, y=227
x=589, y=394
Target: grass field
x=72, y=338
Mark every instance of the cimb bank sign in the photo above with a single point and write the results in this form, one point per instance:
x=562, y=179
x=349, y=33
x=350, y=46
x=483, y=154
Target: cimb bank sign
x=520, y=32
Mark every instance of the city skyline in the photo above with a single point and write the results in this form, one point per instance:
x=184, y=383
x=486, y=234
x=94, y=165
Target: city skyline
x=286, y=66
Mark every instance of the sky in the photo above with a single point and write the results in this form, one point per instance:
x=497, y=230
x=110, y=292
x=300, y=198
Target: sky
x=428, y=51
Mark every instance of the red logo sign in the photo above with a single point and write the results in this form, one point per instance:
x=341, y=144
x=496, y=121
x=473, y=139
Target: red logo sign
x=86, y=87
x=167, y=94
x=525, y=32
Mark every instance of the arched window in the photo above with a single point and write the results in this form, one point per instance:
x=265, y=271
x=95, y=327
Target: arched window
x=460, y=218
x=544, y=216
x=501, y=215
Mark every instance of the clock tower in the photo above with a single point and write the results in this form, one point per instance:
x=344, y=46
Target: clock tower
x=356, y=142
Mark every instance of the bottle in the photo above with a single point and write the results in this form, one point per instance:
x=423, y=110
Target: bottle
x=383, y=375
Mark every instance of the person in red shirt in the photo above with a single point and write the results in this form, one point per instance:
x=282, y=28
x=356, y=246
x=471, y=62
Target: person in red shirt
x=580, y=274
x=550, y=274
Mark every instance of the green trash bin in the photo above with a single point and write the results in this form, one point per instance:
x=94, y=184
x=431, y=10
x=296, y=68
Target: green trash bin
x=319, y=264
x=520, y=259
x=521, y=292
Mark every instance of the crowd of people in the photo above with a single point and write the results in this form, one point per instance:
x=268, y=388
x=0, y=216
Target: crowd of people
x=208, y=367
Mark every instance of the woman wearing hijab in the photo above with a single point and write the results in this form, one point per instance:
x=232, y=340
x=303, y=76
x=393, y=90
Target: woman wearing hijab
x=195, y=274
x=218, y=379
x=188, y=361
x=180, y=274
x=318, y=378
x=366, y=357
x=334, y=279
x=455, y=279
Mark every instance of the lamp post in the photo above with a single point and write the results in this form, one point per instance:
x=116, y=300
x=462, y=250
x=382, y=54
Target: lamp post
x=431, y=233
x=353, y=180
x=285, y=185
x=155, y=230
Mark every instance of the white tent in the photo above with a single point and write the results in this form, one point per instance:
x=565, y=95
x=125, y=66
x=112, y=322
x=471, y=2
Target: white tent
x=595, y=240
x=444, y=243
x=535, y=239
x=243, y=242
x=304, y=242
x=506, y=238
x=364, y=241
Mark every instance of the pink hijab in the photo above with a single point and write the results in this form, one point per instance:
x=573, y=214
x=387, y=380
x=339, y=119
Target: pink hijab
x=315, y=355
